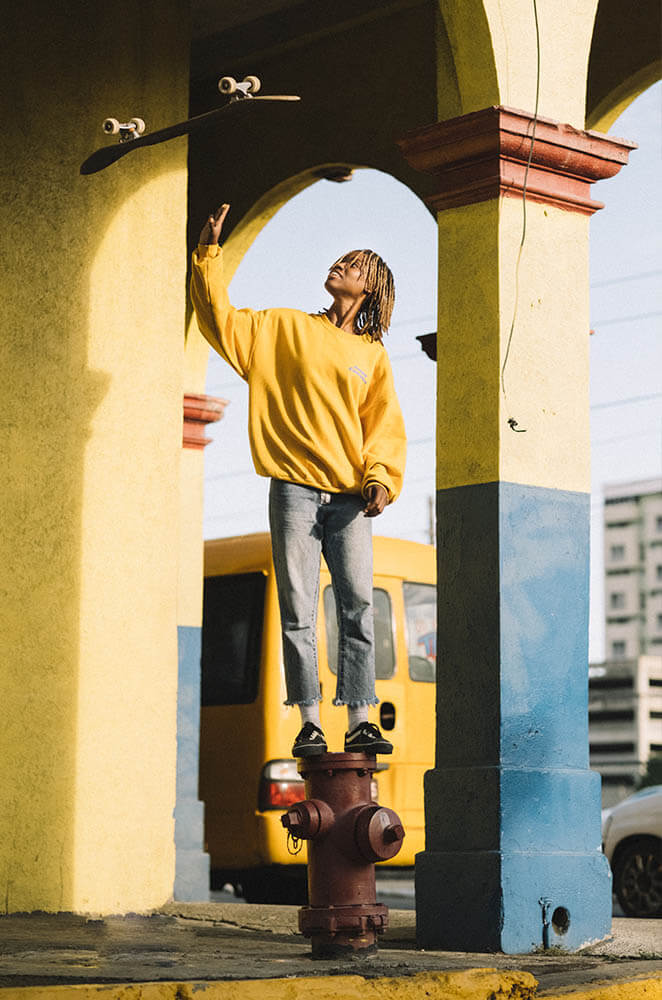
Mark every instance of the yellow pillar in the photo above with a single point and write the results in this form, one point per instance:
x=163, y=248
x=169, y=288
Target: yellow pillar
x=92, y=383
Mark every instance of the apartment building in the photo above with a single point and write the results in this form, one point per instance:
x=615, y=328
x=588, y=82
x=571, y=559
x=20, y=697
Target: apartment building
x=625, y=692
x=624, y=722
x=633, y=569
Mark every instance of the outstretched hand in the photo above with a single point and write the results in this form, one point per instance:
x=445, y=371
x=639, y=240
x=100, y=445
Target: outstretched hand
x=211, y=230
x=377, y=497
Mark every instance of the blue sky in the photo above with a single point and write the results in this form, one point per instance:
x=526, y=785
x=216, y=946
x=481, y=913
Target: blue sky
x=287, y=264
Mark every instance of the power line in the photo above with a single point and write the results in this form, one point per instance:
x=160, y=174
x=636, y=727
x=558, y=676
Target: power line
x=626, y=437
x=626, y=319
x=626, y=277
x=630, y=399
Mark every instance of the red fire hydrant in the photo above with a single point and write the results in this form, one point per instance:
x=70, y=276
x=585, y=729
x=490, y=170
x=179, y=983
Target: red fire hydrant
x=346, y=833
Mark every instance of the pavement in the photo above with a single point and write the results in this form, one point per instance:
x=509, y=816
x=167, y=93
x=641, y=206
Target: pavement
x=222, y=951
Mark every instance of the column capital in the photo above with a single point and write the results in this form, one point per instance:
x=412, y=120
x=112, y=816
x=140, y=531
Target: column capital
x=484, y=155
x=198, y=411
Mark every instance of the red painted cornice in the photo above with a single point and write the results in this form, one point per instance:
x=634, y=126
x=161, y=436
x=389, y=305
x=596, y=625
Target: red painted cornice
x=198, y=412
x=484, y=155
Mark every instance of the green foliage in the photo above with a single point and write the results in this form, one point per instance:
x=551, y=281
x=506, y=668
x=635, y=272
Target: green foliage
x=653, y=773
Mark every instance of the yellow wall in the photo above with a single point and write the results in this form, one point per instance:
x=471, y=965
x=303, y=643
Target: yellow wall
x=625, y=58
x=92, y=409
x=494, y=44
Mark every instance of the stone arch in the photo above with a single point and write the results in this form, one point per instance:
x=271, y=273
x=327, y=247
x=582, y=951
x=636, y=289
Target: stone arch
x=624, y=59
x=242, y=236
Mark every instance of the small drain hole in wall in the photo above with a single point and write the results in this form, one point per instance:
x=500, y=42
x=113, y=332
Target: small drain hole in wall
x=560, y=920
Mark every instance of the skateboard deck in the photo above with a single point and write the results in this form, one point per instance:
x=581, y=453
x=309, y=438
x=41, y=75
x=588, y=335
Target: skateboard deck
x=103, y=157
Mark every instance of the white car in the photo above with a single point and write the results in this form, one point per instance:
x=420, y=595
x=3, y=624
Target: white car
x=632, y=843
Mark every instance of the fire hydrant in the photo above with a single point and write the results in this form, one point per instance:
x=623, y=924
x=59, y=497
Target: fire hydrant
x=346, y=833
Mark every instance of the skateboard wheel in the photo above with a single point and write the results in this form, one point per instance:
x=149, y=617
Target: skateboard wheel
x=254, y=84
x=138, y=125
x=111, y=126
x=227, y=85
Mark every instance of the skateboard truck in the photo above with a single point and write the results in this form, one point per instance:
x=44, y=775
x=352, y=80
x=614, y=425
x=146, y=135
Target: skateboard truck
x=246, y=88
x=126, y=130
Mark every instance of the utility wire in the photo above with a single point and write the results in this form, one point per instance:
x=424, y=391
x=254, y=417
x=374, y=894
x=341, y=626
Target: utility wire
x=626, y=437
x=630, y=399
x=626, y=277
x=626, y=319
x=526, y=177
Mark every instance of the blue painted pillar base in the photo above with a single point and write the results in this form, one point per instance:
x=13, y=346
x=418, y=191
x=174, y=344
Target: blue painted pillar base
x=497, y=901
x=512, y=860
x=191, y=862
x=528, y=854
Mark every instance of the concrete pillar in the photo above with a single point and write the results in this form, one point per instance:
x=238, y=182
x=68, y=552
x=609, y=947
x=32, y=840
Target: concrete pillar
x=191, y=861
x=91, y=374
x=512, y=858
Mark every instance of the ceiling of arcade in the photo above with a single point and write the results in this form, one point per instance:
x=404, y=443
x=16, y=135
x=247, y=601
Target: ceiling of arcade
x=368, y=72
x=626, y=44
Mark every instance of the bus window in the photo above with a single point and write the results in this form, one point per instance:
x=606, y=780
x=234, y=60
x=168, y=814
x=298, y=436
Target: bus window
x=384, y=645
x=232, y=616
x=421, y=619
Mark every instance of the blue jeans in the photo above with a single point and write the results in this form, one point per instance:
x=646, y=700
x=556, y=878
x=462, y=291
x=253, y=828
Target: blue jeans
x=306, y=522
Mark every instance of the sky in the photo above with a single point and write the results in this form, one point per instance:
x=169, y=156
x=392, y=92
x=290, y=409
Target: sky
x=287, y=265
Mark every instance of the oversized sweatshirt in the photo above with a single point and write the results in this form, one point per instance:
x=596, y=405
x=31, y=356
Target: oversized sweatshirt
x=322, y=406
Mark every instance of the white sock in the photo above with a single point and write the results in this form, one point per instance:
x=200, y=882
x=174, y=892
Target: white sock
x=356, y=715
x=310, y=713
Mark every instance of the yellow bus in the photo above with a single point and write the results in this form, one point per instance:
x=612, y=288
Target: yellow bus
x=247, y=777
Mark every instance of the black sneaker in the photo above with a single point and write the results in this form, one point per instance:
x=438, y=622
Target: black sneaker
x=366, y=738
x=309, y=742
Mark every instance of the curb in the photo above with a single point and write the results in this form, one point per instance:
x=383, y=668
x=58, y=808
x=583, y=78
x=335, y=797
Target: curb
x=472, y=984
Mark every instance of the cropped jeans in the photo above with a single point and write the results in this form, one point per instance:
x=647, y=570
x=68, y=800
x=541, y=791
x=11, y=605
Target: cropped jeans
x=305, y=523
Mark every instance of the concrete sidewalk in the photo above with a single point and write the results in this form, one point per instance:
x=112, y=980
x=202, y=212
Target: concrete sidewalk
x=218, y=951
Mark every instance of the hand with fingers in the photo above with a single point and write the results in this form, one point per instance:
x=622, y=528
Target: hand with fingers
x=211, y=230
x=377, y=497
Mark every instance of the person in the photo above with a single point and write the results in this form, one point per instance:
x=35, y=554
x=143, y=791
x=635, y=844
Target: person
x=325, y=425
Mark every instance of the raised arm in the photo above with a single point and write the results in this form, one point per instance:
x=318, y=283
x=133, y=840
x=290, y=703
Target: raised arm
x=231, y=332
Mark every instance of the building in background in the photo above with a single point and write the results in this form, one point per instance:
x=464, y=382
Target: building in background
x=633, y=569
x=625, y=692
x=624, y=722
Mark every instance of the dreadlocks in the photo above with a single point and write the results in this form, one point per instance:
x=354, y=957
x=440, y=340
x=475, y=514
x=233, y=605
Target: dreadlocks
x=374, y=316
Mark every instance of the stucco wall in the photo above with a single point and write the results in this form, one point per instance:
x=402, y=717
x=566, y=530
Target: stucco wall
x=92, y=385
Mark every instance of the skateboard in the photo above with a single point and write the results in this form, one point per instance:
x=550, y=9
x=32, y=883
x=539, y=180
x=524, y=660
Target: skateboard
x=131, y=133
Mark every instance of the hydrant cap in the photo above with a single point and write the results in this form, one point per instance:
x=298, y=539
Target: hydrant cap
x=308, y=819
x=378, y=833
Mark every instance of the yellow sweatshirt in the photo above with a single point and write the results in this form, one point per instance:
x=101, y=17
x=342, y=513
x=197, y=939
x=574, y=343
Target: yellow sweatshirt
x=322, y=406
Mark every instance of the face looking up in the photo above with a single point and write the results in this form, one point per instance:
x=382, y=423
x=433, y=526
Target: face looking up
x=347, y=277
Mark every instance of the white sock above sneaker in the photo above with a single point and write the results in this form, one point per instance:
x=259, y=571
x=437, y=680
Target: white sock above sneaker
x=356, y=715
x=310, y=713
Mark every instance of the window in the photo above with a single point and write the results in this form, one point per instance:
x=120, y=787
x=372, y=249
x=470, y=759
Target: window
x=659, y=621
x=611, y=715
x=658, y=522
x=617, y=552
x=421, y=621
x=658, y=571
x=384, y=646
x=617, y=600
x=610, y=683
x=600, y=748
x=618, y=649
x=233, y=611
